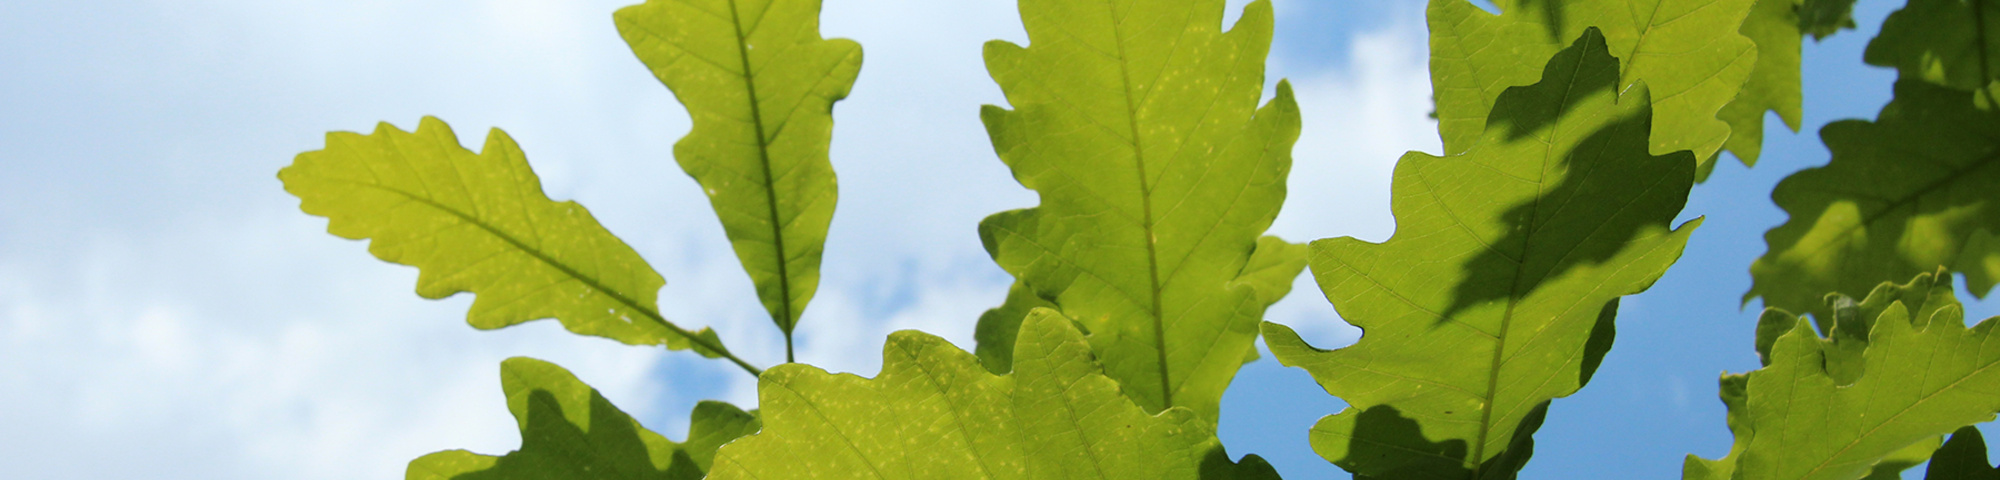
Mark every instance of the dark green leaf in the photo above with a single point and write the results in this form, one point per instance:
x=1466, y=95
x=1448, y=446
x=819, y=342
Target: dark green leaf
x=1962, y=458
x=1955, y=43
x=1903, y=195
x=1822, y=18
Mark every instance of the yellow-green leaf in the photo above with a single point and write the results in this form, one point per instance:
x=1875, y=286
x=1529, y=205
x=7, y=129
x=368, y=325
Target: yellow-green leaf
x=479, y=222
x=1137, y=123
x=1774, y=83
x=1921, y=377
x=1690, y=52
x=760, y=84
x=569, y=431
x=934, y=412
x=1496, y=293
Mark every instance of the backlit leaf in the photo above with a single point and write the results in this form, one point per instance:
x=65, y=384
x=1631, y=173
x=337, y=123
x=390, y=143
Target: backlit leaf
x=1773, y=85
x=569, y=431
x=1688, y=51
x=1496, y=293
x=935, y=412
x=1921, y=377
x=1903, y=195
x=760, y=84
x=479, y=222
x=1137, y=123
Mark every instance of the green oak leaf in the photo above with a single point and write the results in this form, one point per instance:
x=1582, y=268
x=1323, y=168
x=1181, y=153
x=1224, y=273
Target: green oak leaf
x=1962, y=458
x=1822, y=18
x=1891, y=466
x=1774, y=84
x=570, y=431
x=1690, y=52
x=479, y=222
x=1922, y=377
x=1732, y=392
x=759, y=84
x=1844, y=359
x=1850, y=322
x=1903, y=195
x=1137, y=123
x=997, y=327
x=1955, y=43
x=935, y=412
x=1496, y=293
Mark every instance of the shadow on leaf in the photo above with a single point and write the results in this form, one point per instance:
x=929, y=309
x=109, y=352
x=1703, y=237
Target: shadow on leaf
x=1608, y=189
x=1395, y=448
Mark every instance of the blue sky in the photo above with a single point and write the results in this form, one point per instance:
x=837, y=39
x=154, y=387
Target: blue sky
x=163, y=303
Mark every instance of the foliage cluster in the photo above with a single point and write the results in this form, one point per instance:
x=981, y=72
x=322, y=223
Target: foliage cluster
x=1573, y=132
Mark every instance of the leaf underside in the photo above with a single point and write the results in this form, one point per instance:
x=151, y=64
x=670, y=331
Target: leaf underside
x=1137, y=123
x=935, y=412
x=479, y=222
x=1496, y=293
x=1903, y=195
x=570, y=431
x=759, y=84
x=1917, y=377
x=1689, y=52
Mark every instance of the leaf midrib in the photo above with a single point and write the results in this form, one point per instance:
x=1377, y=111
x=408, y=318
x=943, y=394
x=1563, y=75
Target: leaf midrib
x=587, y=280
x=1514, y=294
x=1146, y=211
x=784, y=320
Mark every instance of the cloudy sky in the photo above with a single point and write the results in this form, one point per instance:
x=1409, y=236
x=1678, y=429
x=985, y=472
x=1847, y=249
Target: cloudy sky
x=167, y=312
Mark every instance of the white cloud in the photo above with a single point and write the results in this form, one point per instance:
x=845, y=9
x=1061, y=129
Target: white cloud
x=1359, y=119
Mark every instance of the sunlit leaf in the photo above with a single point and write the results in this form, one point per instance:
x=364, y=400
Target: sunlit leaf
x=760, y=84
x=569, y=431
x=1903, y=195
x=1774, y=84
x=1920, y=377
x=479, y=222
x=1688, y=51
x=935, y=412
x=1497, y=292
x=1137, y=123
